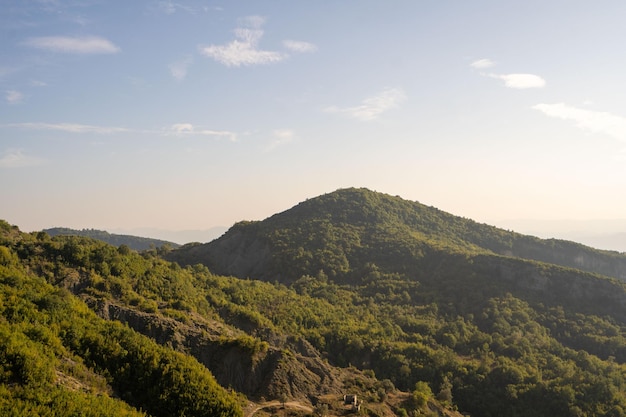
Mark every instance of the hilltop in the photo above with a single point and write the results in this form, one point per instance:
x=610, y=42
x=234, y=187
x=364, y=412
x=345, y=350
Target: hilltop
x=343, y=230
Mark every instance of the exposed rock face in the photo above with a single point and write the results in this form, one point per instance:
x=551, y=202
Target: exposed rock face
x=238, y=254
x=295, y=368
x=557, y=285
x=572, y=255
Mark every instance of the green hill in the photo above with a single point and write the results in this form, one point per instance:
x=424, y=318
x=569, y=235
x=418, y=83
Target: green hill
x=342, y=231
x=415, y=294
x=133, y=242
x=414, y=310
x=57, y=358
x=199, y=335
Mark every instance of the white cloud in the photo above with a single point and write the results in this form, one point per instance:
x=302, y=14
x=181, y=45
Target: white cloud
x=14, y=96
x=70, y=127
x=594, y=121
x=244, y=49
x=520, y=81
x=179, y=69
x=15, y=158
x=299, y=46
x=280, y=137
x=73, y=45
x=372, y=107
x=482, y=63
x=170, y=7
x=181, y=128
x=187, y=129
x=178, y=129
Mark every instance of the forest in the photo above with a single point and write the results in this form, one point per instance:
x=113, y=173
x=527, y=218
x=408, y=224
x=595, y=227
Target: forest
x=354, y=289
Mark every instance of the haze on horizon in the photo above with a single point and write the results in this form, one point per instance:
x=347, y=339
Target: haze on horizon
x=196, y=114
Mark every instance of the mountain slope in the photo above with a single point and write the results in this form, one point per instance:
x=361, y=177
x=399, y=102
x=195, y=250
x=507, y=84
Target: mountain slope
x=350, y=227
x=452, y=324
x=133, y=242
x=189, y=310
x=416, y=294
x=353, y=235
x=58, y=358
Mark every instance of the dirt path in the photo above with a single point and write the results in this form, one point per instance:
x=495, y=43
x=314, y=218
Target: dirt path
x=252, y=408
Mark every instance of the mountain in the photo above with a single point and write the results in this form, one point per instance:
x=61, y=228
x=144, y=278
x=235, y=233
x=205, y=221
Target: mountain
x=133, y=242
x=341, y=231
x=415, y=311
x=92, y=329
x=504, y=323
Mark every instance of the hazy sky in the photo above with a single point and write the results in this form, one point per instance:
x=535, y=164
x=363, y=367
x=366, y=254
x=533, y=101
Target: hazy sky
x=194, y=114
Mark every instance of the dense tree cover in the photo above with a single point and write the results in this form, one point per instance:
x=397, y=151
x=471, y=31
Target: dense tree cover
x=343, y=230
x=133, y=242
x=439, y=317
x=58, y=358
x=419, y=295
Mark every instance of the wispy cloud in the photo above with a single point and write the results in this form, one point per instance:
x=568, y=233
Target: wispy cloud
x=73, y=45
x=372, y=107
x=244, y=49
x=178, y=129
x=179, y=69
x=594, y=121
x=14, y=96
x=520, y=81
x=69, y=127
x=187, y=129
x=482, y=63
x=15, y=158
x=280, y=137
x=299, y=46
x=171, y=7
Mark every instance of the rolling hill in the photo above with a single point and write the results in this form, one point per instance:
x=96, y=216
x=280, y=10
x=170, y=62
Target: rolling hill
x=402, y=261
x=417, y=311
x=345, y=229
x=133, y=242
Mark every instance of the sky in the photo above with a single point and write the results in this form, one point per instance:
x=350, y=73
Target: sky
x=190, y=115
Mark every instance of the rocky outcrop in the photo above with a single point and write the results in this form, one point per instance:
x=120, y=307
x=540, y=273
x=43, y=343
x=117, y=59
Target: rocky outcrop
x=293, y=368
x=555, y=285
x=572, y=255
x=238, y=253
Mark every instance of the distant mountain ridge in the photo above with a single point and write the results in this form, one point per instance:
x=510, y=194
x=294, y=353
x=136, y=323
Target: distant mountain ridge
x=134, y=242
x=180, y=237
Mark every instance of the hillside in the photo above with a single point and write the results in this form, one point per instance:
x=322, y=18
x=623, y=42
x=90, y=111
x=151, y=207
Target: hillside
x=57, y=358
x=353, y=292
x=133, y=242
x=347, y=228
x=511, y=322
x=195, y=323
